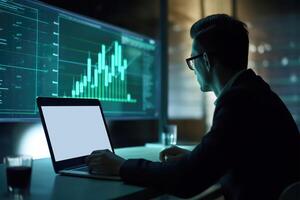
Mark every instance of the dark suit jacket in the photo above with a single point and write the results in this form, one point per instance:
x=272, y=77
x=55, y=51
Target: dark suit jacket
x=252, y=149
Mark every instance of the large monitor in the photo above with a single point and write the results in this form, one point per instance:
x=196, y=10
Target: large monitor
x=45, y=51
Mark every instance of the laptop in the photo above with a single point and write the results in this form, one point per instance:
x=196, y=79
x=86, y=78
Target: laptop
x=74, y=128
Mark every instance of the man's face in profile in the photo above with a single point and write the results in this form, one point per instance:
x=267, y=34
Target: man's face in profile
x=200, y=70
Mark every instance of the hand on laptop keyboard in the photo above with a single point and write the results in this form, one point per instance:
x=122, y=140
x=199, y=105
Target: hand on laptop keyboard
x=172, y=153
x=104, y=162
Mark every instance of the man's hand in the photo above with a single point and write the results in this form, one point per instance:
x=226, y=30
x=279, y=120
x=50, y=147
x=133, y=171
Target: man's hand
x=172, y=153
x=104, y=162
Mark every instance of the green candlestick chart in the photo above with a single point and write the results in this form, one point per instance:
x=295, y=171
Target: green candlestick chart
x=104, y=80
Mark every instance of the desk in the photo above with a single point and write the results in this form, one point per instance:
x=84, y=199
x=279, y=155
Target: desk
x=45, y=184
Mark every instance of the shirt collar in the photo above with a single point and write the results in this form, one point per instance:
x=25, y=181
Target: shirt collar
x=228, y=85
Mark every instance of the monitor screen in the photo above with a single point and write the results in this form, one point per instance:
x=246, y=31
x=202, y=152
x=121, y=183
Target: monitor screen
x=50, y=52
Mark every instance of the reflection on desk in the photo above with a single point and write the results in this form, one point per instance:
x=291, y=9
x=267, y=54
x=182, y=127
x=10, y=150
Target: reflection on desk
x=45, y=184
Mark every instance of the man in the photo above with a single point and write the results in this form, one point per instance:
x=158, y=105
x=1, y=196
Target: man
x=253, y=146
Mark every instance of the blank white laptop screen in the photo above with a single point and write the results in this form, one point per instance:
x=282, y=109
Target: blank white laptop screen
x=75, y=131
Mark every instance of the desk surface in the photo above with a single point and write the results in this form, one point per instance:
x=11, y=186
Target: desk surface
x=45, y=184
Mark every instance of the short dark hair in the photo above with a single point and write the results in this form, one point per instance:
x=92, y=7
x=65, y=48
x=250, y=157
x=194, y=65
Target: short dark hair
x=226, y=37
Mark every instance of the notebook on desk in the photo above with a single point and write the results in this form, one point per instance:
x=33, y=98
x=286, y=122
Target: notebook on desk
x=74, y=128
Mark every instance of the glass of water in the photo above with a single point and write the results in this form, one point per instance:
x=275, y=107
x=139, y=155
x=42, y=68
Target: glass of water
x=169, y=135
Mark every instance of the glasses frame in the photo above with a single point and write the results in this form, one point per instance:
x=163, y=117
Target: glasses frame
x=188, y=61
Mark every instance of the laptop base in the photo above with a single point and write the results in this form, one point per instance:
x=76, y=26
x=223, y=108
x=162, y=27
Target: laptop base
x=88, y=175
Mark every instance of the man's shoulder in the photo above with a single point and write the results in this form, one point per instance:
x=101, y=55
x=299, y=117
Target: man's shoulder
x=239, y=96
x=247, y=88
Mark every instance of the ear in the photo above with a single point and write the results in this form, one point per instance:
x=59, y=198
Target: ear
x=206, y=61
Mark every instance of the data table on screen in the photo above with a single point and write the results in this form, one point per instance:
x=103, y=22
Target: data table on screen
x=50, y=52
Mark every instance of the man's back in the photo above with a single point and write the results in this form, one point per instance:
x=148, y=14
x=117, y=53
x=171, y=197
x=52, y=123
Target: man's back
x=266, y=139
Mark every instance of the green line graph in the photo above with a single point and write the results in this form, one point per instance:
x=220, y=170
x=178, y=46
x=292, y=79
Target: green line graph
x=104, y=79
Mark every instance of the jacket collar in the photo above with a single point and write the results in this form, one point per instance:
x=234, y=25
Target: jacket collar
x=229, y=84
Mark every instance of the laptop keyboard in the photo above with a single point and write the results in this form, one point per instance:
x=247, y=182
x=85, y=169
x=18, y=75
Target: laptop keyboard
x=82, y=169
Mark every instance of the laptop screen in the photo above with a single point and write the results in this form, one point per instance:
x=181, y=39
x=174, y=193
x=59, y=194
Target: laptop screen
x=75, y=131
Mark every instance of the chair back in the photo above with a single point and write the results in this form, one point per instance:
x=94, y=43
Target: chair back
x=292, y=192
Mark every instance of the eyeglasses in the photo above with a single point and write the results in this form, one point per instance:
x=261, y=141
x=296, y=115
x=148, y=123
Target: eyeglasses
x=191, y=61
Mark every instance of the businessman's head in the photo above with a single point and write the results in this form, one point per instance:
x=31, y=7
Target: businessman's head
x=220, y=46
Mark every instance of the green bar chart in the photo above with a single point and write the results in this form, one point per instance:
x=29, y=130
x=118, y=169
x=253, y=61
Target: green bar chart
x=116, y=68
x=105, y=78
